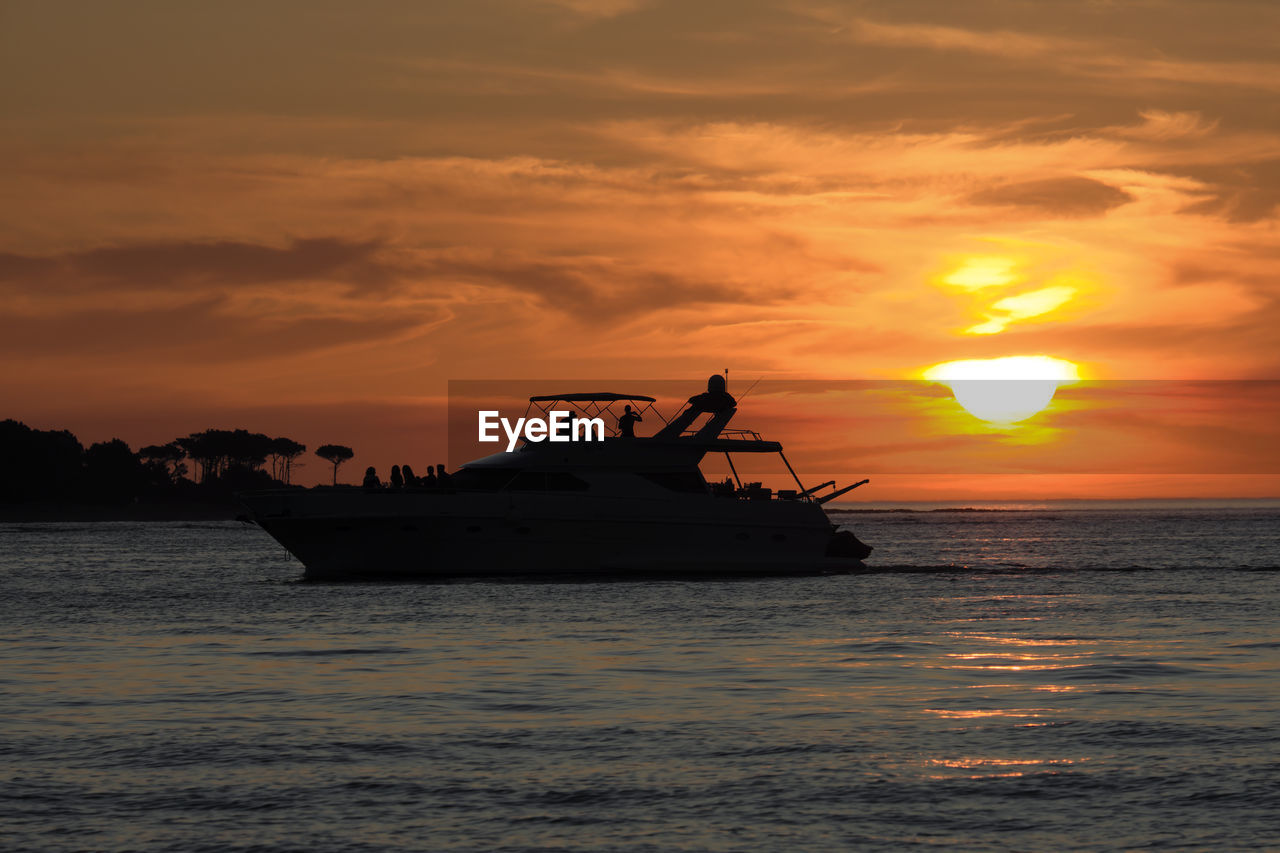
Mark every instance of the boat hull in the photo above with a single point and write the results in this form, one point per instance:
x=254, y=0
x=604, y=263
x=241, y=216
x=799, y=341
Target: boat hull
x=343, y=535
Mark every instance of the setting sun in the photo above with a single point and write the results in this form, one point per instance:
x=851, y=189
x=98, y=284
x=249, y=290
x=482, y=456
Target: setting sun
x=1004, y=390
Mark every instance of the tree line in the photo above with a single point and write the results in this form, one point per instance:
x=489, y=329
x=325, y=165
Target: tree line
x=52, y=465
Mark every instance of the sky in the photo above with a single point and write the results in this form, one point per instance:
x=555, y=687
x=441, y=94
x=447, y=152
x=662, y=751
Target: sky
x=306, y=218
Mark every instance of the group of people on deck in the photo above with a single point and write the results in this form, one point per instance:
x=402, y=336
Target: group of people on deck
x=402, y=476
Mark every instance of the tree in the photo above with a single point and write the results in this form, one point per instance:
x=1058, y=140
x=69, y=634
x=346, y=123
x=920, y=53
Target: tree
x=113, y=472
x=201, y=448
x=247, y=449
x=167, y=458
x=283, y=452
x=215, y=451
x=335, y=454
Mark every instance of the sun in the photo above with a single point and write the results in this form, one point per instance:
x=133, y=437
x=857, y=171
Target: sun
x=1006, y=390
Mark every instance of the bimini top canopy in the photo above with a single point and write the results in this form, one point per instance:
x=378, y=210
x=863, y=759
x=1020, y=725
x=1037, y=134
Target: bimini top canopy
x=598, y=397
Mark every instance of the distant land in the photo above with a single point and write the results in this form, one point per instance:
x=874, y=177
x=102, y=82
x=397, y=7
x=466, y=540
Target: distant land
x=50, y=476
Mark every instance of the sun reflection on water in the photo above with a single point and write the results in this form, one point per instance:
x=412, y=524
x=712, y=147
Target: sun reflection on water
x=1001, y=768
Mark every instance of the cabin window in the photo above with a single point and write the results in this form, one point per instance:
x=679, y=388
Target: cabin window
x=547, y=481
x=482, y=479
x=678, y=481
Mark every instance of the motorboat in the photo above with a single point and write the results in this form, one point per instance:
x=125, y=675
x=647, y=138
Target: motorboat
x=622, y=506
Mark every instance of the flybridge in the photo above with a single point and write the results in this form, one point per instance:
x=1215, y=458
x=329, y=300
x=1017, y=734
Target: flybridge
x=559, y=425
x=593, y=417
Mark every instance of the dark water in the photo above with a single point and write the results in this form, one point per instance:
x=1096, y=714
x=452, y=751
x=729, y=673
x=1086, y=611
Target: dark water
x=1017, y=681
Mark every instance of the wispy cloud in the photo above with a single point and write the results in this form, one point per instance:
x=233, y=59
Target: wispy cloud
x=1069, y=196
x=1111, y=57
x=195, y=265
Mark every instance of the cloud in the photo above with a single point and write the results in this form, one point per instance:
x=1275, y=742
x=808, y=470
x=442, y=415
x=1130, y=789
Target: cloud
x=1023, y=306
x=202, y=332
x=1111, y=57
x=591, y=288
x=195, y=265
x=1161, y=126
x=1070, y=196
x=1005, y=43
x=596, y=289
x=1242, y=192
x=598, y=8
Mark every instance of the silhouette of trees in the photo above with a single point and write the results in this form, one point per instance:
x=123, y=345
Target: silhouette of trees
x=164, y=461
x=217, y=451
x=37, y=464
x=200, y=448
x=335, y=454
x=112, y=472
x=52, y=466
x=249, y=449
x=283, y=453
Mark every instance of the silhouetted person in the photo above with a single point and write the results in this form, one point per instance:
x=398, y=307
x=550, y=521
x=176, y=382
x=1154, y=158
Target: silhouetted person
x=627, y=423
x=442, y=475
x=371, y=480
x=397, y=480
x=716, y=398
x=430, y=480
x=409, y=478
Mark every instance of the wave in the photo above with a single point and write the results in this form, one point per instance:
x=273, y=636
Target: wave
x=287, y=653
x=954, y=568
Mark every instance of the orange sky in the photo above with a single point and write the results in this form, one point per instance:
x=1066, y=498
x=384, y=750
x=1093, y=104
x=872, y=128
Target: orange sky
x=304, y=218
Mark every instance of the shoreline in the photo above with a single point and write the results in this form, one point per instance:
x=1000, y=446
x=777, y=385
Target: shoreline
x=141, y=511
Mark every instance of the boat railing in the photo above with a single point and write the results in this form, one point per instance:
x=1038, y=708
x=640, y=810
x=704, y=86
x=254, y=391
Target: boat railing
x=730, y=434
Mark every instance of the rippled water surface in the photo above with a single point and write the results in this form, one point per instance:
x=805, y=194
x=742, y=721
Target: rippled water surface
x=1029, y=681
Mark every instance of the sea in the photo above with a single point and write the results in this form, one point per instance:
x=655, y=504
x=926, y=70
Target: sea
x=1039, y=677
